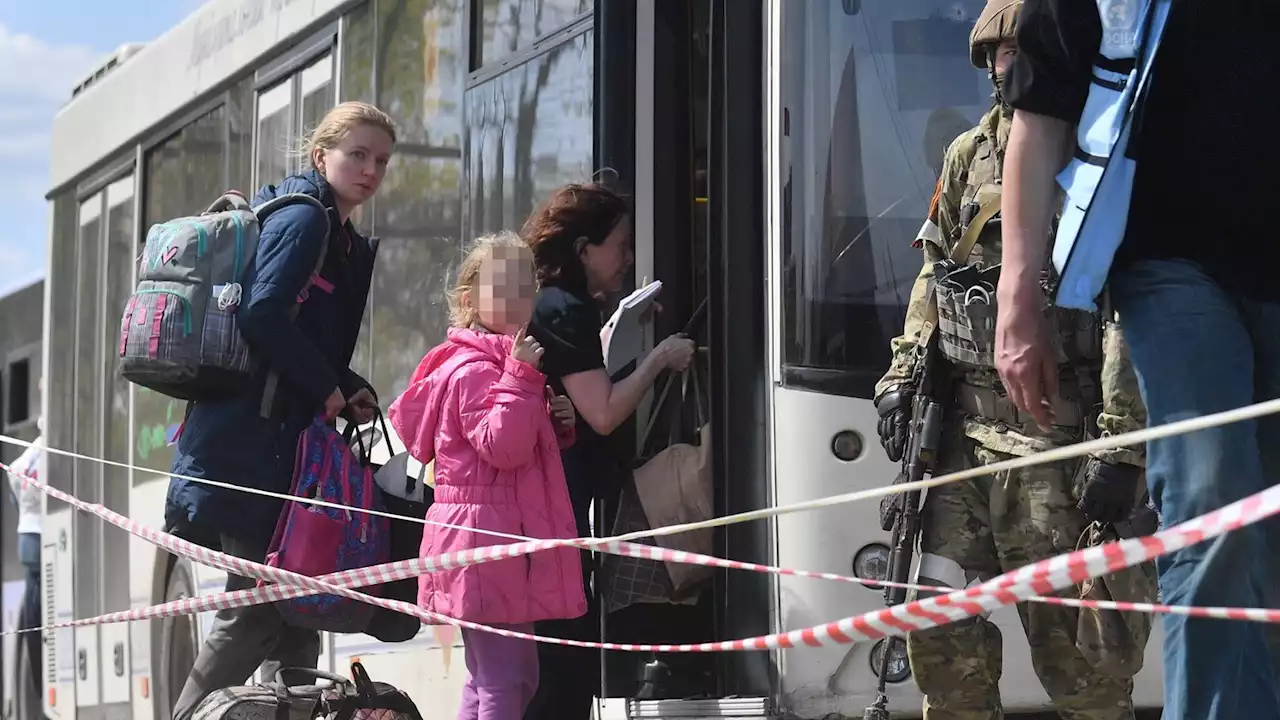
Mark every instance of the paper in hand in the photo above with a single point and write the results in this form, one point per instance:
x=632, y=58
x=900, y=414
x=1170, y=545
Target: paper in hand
x=624, y=335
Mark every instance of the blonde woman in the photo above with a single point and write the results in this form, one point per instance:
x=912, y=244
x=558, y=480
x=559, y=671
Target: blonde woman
x=228, y=440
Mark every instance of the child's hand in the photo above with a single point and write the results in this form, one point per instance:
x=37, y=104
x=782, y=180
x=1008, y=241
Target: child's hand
x=527, y=350
x=562, y=410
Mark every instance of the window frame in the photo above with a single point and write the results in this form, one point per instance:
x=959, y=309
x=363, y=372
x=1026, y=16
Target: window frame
x=288, y=69
x=302, y=54
x=31, y=354
x=479, y=74
x=794, y=302
x=566, y=35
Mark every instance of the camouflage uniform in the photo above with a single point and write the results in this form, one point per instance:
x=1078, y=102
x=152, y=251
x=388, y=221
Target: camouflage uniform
x=974, y=530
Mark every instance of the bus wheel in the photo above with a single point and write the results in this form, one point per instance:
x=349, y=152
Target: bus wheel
x=177, y=643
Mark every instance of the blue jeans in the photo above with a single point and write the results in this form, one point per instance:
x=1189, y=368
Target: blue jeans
x=1199, y=349
x=31, y=615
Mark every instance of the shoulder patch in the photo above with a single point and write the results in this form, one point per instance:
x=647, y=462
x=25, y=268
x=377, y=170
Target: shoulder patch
x=933, y=203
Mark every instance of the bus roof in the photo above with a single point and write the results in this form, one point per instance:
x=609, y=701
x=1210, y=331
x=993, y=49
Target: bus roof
x=214, y=44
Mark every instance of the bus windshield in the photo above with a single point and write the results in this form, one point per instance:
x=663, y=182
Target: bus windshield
x=872, y=94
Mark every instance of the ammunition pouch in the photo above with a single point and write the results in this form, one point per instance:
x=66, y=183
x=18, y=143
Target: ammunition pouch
x=1079, y=336
x=1111, y=641
x=967, y=322
x=988, y=403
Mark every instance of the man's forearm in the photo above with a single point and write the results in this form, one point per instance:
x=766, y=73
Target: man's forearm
x=1038, y=148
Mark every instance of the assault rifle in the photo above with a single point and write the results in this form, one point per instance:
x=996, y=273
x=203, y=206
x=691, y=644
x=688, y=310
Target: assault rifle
x=900, y=513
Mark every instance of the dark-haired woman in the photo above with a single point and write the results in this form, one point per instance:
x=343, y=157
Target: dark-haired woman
x=582, y=247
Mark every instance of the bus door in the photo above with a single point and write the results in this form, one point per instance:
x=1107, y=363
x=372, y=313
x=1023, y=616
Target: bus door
x=698, y=181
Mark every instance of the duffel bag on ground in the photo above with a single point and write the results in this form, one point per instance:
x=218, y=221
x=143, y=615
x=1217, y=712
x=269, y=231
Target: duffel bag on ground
x=340, y=699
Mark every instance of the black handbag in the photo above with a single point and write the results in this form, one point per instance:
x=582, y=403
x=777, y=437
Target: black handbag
x=406, y=537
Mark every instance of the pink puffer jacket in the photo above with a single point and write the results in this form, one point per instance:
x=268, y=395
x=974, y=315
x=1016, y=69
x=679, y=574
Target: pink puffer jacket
x=484, y=418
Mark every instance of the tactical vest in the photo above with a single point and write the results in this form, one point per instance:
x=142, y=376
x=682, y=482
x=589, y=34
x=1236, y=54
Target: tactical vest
x=965, y=289
x=1099, y=179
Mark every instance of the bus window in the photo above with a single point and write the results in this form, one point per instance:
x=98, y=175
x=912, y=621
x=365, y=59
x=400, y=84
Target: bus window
x=60, y=410
x=274, y=107
x=88, y=409
x=508, y=26
x=177, y=182
x=317, y=93
x=529, y=132
x=119, y=264
x=418, y=211
x=872, y=93
x=88, y=422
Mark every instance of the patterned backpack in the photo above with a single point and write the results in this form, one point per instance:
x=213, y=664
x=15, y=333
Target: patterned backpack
x=178, y=335
x=316, y=540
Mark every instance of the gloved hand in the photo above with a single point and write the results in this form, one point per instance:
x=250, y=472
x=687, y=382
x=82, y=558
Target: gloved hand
x=1110, y=491
x=894, y=408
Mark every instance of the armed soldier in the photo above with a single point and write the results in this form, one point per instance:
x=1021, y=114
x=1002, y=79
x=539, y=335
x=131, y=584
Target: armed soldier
x=974, y=530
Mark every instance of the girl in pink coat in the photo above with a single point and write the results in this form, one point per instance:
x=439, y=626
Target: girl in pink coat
x=479, y=407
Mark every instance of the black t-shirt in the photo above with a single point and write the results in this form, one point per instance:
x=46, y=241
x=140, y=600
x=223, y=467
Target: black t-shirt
x=568, y=328
x=1207, y=153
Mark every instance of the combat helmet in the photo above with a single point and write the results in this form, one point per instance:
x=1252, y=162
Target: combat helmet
x=996, y=24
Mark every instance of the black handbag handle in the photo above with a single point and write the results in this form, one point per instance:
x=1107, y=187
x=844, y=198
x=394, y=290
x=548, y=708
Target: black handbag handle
x=351, y=434
x=283, y=692
x=364, y=684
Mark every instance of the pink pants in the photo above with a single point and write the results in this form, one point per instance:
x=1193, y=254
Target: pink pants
x=503, y=674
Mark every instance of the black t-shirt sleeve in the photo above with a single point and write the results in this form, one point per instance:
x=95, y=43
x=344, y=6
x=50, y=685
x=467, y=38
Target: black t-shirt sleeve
x=1057, y=43
x=568, y=328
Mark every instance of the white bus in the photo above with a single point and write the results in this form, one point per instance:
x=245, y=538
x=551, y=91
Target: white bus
x=780, y=157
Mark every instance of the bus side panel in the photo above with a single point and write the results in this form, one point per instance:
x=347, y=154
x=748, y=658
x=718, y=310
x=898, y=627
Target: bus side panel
x=59, y=666
x=839, y=679
x=836, y=678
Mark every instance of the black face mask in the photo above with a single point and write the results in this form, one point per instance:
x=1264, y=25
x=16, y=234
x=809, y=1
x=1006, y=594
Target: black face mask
x=997, y=81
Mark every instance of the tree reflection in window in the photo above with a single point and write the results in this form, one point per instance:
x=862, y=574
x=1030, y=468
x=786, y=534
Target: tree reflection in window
x=421, y=61
x=358, y=45
x=872, y=94
x=529, y=132
x=510, y=25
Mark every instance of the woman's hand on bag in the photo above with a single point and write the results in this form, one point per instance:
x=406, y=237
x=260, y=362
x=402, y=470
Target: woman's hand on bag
x=527, y=350
x=334, y=404
x=562, y=410
x=361, y=406
x=676, y=352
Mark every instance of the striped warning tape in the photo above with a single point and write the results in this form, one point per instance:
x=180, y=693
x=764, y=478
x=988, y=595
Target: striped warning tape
x=1057, y=454
x=1038, y=579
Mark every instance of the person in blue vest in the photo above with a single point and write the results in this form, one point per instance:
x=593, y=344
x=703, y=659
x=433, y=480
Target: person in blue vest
x=1193, y=282
x=229, y=441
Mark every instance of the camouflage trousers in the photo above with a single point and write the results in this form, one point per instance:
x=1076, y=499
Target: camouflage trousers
x=973, y=531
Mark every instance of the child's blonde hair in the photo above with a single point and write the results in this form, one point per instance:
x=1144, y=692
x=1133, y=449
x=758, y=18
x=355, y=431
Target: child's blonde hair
x=462, y=308
x=341, y=120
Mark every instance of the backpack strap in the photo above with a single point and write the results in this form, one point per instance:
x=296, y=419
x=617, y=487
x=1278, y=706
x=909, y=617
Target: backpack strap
x=272, y=383
x=230, y=200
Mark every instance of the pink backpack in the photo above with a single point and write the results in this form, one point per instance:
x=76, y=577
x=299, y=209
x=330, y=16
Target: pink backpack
x=317, y=540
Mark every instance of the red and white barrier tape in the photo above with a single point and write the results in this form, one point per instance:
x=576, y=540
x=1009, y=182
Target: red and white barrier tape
x=1038, y=579
x=1068, y=452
